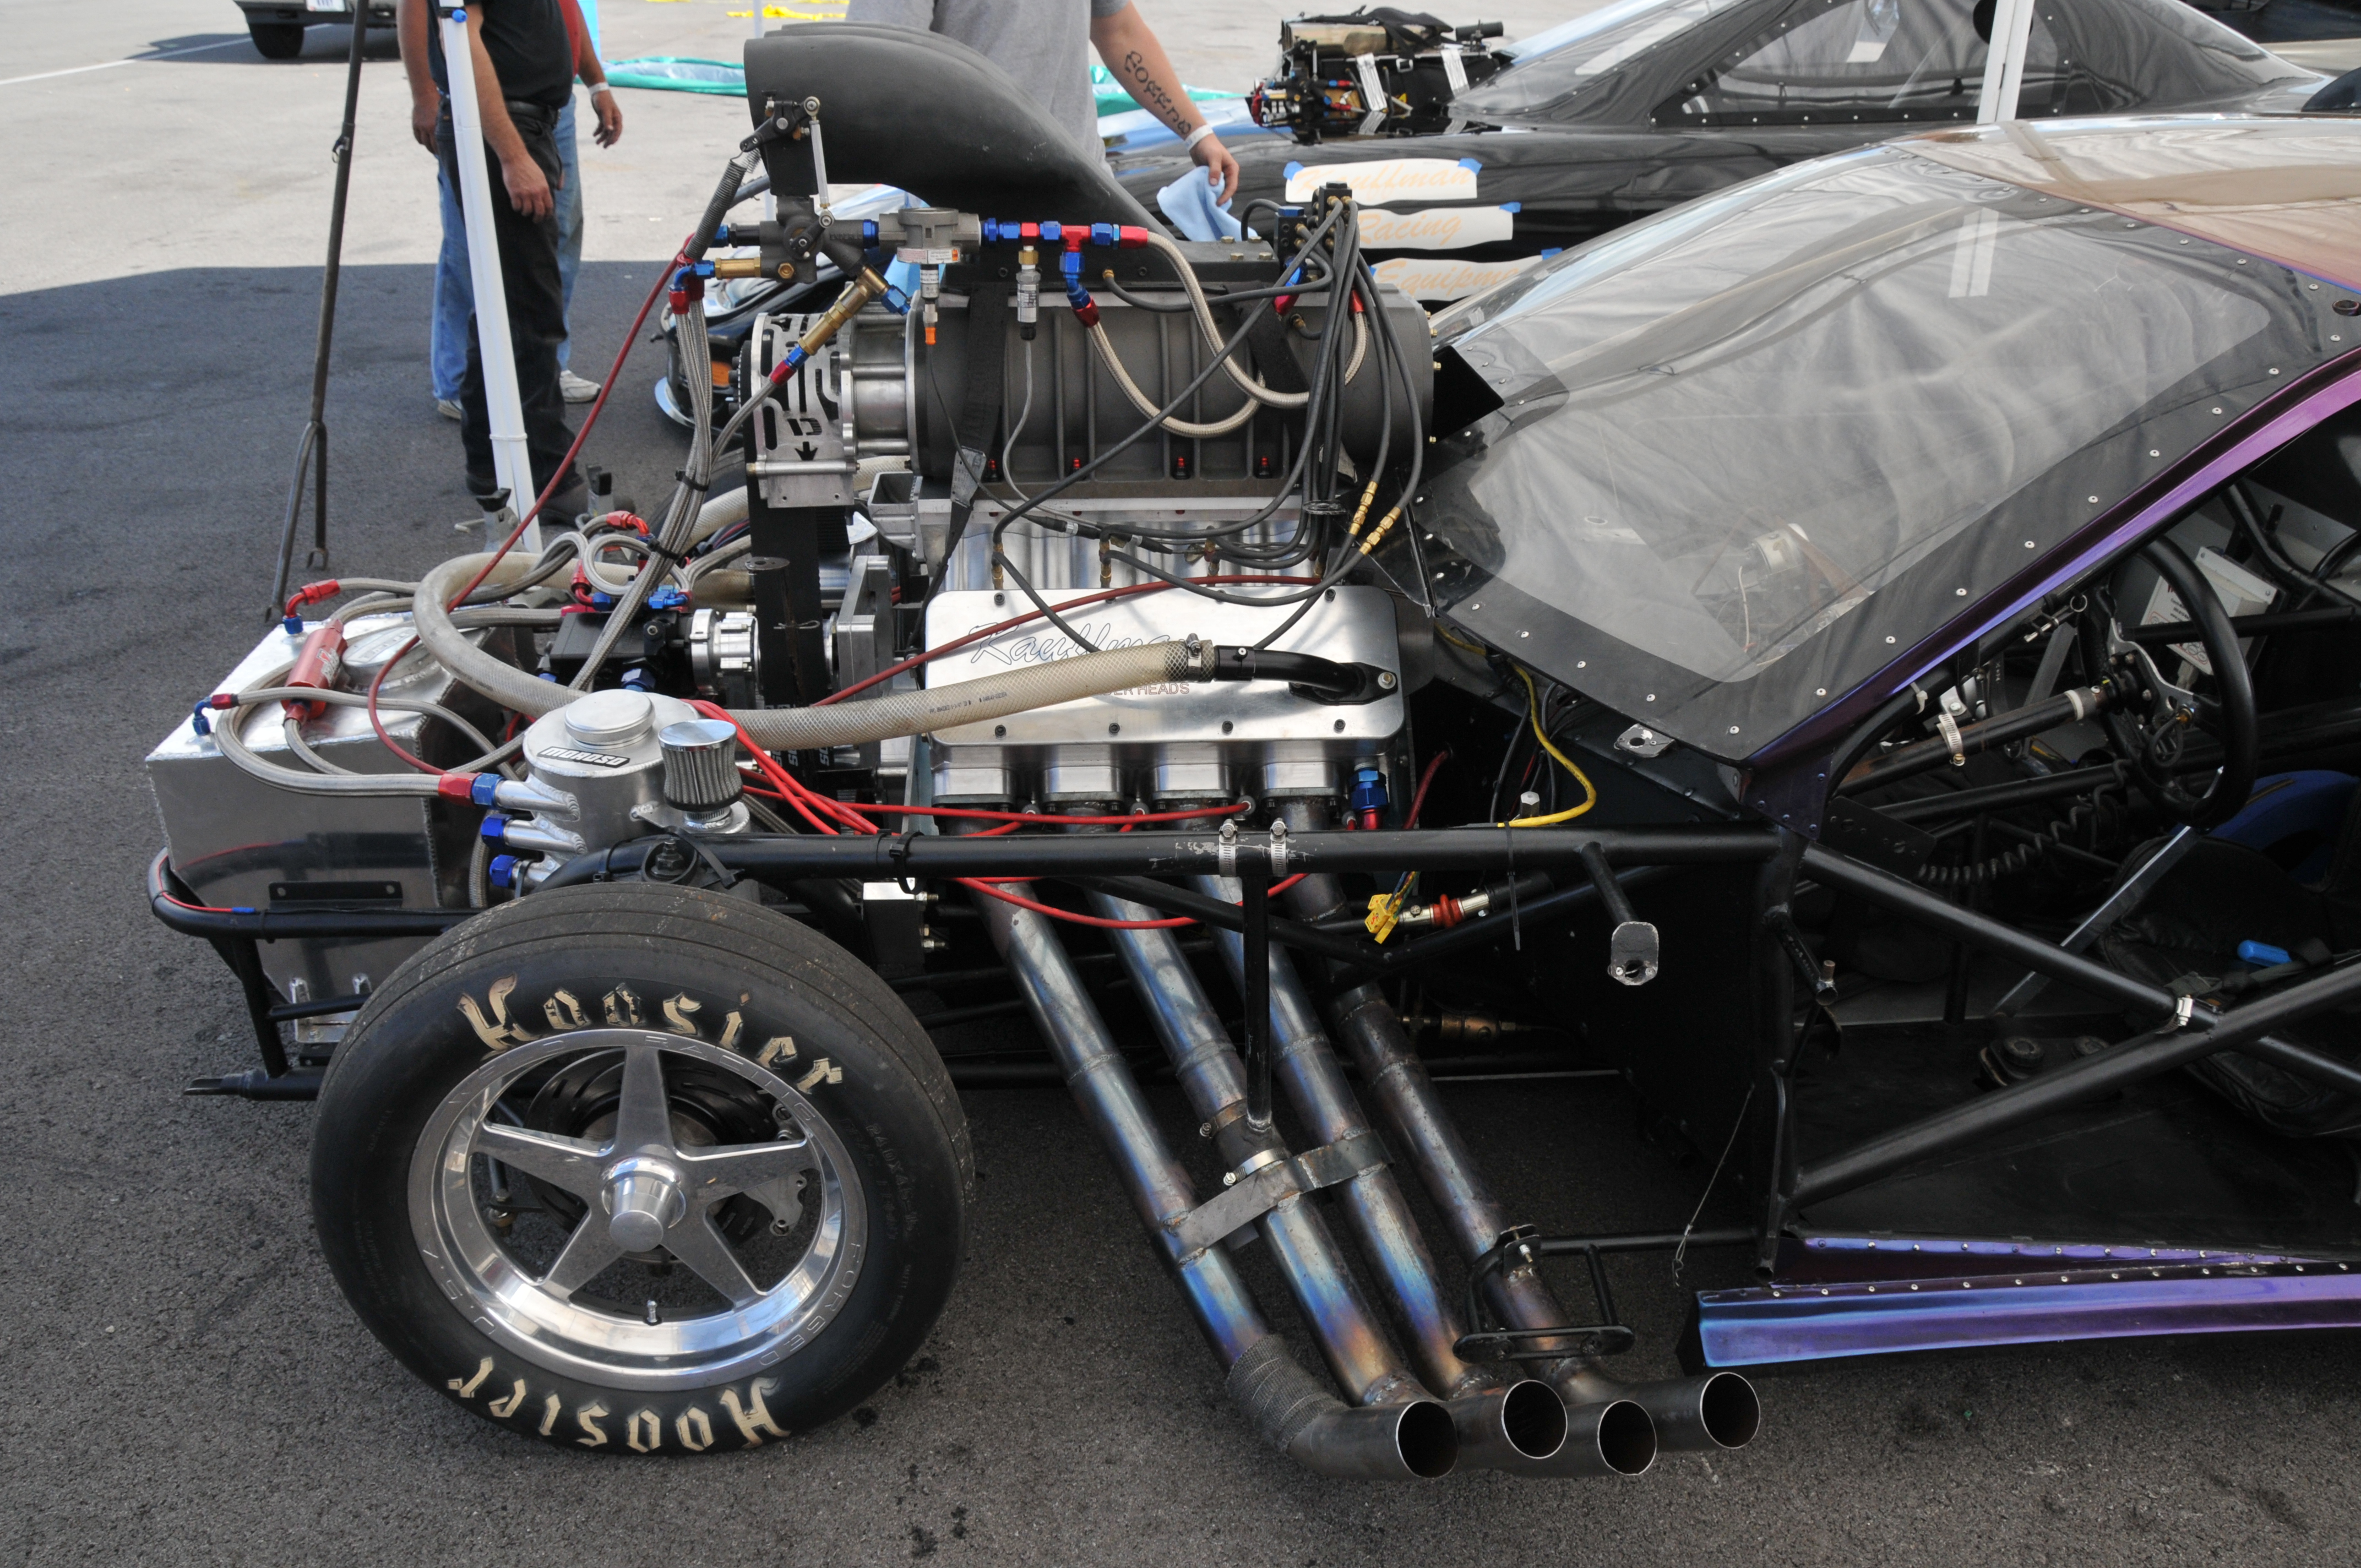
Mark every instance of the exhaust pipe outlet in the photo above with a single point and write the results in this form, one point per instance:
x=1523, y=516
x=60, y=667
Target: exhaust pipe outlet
x=1613, y=1437
x=1511, y=1428
x=1414, y=1441
x=1700, y=1415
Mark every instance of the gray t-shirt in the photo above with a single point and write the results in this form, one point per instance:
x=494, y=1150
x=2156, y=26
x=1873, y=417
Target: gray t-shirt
x=1044, y=44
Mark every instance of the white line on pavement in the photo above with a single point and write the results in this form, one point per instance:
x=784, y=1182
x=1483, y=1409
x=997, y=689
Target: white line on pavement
x=128, y=59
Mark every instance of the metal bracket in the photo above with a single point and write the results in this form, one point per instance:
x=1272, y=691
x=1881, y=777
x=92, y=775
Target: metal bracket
x=1257, y=1192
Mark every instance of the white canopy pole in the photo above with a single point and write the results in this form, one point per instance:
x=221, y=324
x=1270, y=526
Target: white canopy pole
x=511, y=465
x=2004, y=62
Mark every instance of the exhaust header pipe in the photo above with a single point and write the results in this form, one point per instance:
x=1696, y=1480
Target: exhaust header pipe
x=1699, y=1415
x=1412, y=1441
x=1719, y=1410
x=1415, y=1442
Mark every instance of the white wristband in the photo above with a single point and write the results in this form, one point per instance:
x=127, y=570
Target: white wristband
x=598, y=87
x=1199, y=134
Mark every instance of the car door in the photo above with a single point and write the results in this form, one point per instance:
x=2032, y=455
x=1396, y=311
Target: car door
x=1821, y=76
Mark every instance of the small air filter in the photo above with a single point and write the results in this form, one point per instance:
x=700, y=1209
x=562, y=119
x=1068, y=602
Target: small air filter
x=700, y=764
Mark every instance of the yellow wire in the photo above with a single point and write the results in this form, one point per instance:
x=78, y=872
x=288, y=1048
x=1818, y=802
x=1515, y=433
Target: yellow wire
x=1588, y=789
x=1460, y=642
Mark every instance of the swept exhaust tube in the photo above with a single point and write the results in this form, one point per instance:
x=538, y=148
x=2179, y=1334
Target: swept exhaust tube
x=1603, y=1433
x=1415, y=1438
x=1360, y=1353
x=1514, y=1427
x=1719, y=1410
x=1319, y=1431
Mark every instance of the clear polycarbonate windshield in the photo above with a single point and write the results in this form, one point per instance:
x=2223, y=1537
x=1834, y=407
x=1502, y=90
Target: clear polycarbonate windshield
x=1572, y=55
x=1749, y=453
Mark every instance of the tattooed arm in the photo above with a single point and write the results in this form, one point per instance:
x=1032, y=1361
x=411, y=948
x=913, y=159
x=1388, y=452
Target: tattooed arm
x=1131, y=51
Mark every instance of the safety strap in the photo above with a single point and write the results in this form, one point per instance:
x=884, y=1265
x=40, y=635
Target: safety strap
x=979, y=414
x=1274, y=361
x=1257, y=1192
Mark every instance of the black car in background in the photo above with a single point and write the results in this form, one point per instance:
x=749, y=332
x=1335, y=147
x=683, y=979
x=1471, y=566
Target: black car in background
x=277, y=26
x=1648, y=104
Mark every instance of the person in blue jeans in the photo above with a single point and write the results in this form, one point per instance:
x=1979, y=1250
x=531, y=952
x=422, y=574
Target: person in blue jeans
x=455, y=286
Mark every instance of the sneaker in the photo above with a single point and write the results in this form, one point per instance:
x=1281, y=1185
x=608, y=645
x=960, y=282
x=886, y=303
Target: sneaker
x=575, y=389
x=448, y=408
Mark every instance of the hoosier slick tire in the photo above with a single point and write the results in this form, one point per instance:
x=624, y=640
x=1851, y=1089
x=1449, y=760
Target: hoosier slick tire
x=642, y=1169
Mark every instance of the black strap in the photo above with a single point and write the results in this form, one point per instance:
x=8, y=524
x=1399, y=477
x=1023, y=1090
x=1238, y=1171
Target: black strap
x=979, y=415
x=1274, y=360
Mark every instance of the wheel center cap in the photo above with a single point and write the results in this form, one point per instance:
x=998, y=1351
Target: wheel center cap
x=644, y=1201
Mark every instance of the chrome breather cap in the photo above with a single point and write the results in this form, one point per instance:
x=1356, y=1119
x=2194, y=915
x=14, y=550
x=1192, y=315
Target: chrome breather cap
x=700, y=764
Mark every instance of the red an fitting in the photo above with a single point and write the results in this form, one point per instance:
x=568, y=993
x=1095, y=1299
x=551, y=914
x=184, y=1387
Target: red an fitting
x=312, y=593
x=1131, y=237
x=316, y=666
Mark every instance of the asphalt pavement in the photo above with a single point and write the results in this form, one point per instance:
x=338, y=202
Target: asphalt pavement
x=182, y=1383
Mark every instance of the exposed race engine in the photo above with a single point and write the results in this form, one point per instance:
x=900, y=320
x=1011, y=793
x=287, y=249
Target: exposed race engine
x=1379, y=70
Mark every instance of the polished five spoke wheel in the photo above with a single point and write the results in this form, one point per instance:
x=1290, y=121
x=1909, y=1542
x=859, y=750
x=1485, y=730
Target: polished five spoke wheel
x=653, y=1182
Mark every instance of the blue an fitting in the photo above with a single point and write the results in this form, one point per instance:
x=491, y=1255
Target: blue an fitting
x=668, y=599
x=479, y=793
x=638, y=681
x=897, y=302
x=601, y=601
x=292, y=626
x=1105, y=234
x=2262, y=955
x=869, y=233
x=1369, y=790
x=496, y=826
x=502, y=871
x=1054, y=233
x=198, y=721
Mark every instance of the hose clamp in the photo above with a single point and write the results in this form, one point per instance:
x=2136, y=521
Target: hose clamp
x=1225, y=848
x=1278, y=851
x=1950, y=729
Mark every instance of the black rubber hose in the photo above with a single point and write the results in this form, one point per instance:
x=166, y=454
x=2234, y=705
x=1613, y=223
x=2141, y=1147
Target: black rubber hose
x=717, y=212
x=1309, y=671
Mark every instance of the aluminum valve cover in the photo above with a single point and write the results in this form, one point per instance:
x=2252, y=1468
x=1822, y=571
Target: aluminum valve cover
x=1181, y=731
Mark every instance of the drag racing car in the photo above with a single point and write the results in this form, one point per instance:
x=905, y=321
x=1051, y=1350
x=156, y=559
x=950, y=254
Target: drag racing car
x=1921, y=577
x=1640, y=106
